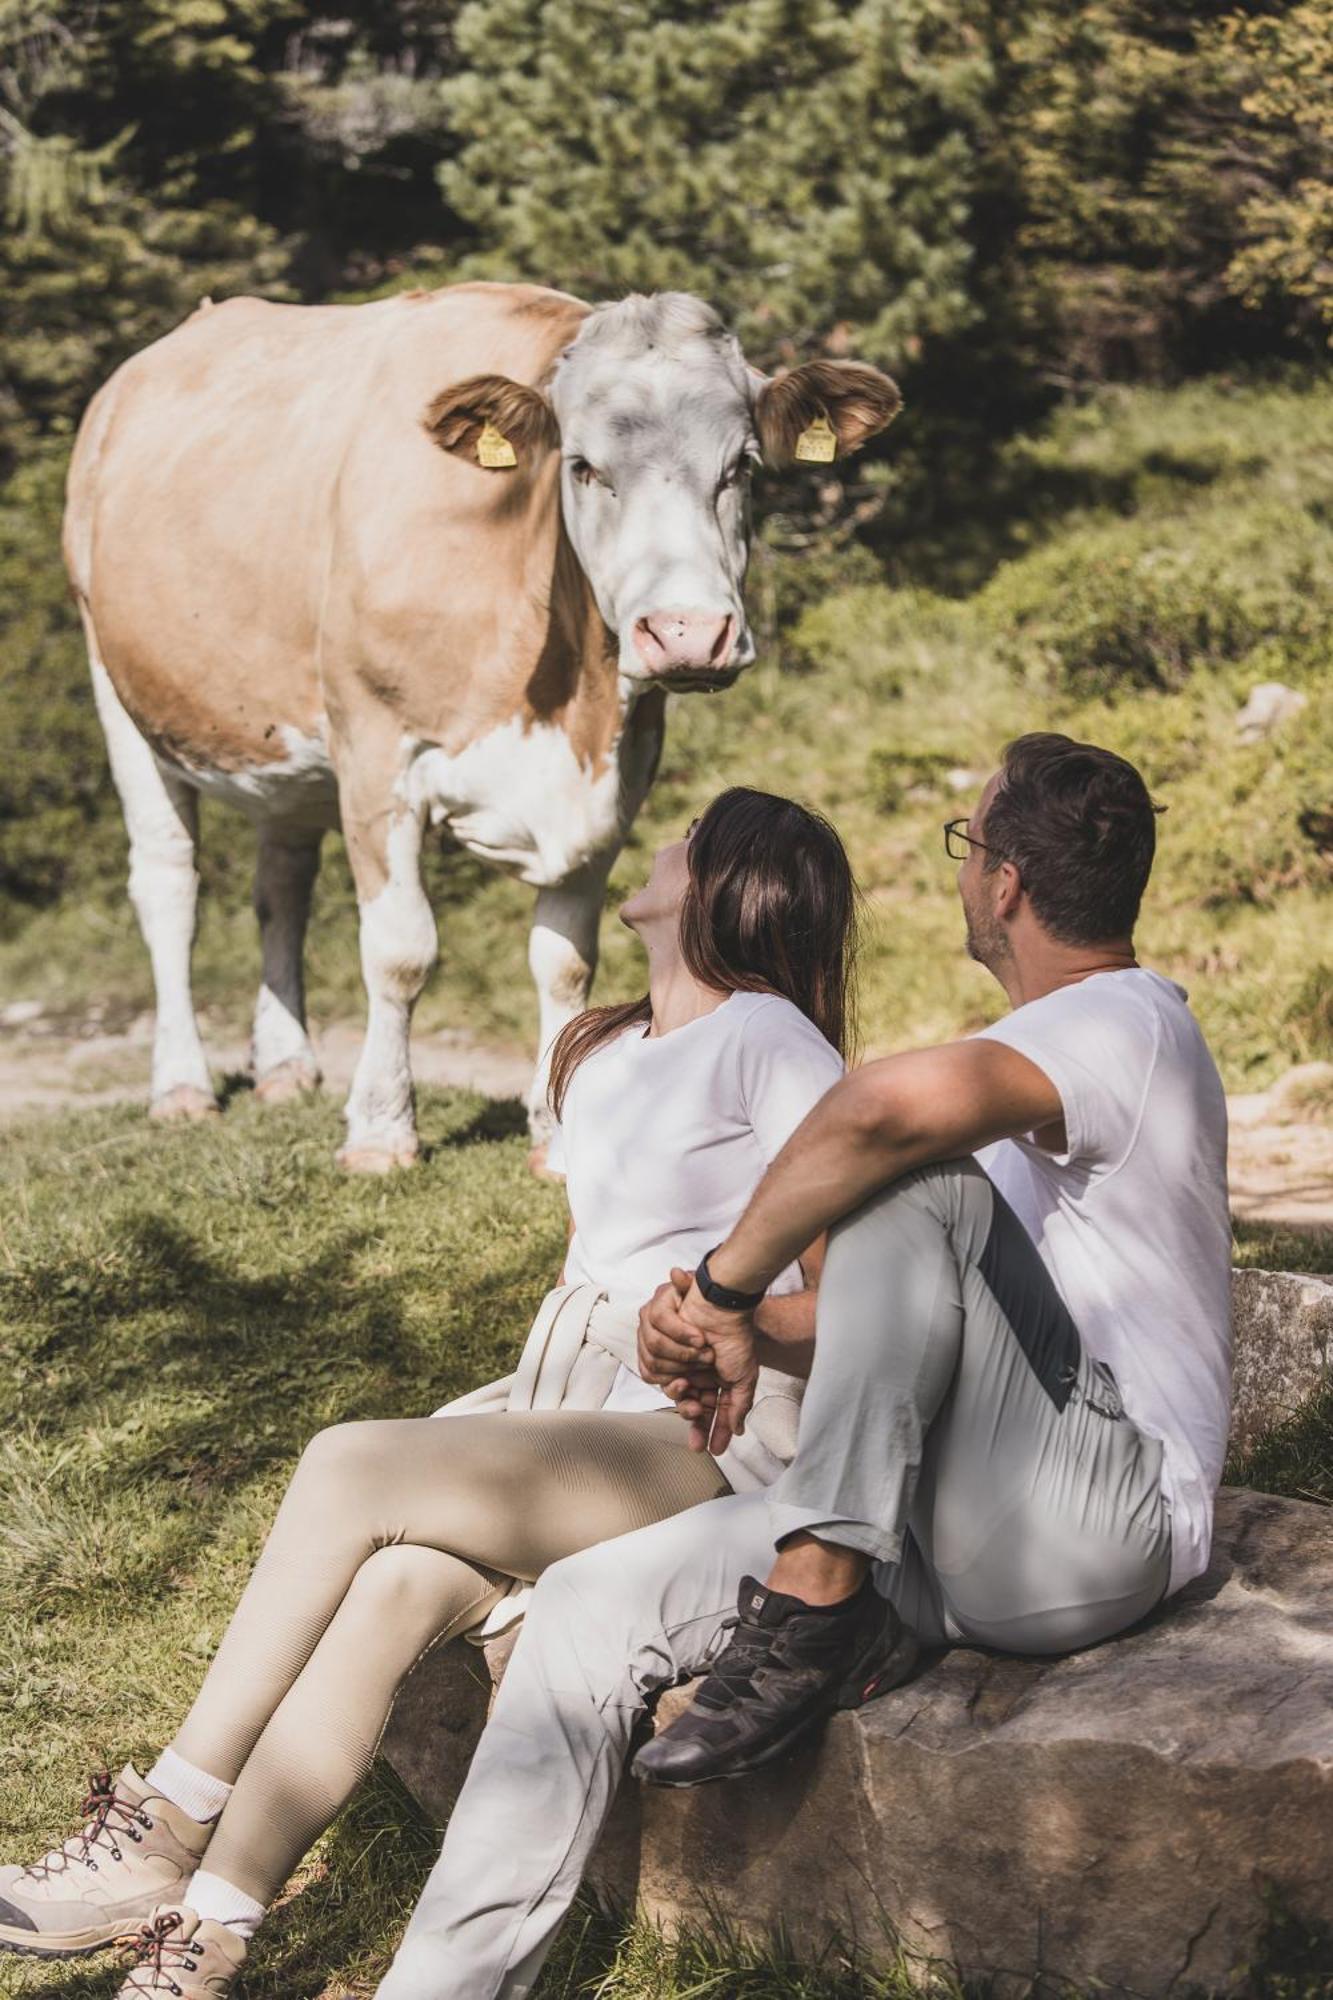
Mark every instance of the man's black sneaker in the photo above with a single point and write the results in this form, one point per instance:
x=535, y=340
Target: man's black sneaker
x=787, y=1666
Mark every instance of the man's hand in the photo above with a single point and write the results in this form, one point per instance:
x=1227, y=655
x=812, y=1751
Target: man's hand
x=670, y=1348
x=719, y=1404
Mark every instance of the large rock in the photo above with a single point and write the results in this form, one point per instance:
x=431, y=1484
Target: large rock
x=1269, y=706
x=1116, y=1817
x=1283, y=1329
x=1113, y=1817
x=435, y=1723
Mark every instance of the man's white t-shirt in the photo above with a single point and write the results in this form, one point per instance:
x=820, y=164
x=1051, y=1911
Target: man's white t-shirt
x=664, y=1138
x=1132, y=1221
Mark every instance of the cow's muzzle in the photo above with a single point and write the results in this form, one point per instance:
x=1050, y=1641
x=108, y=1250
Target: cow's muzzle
x=697, y=645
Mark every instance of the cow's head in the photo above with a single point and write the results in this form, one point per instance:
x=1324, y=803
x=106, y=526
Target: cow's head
x=659, y=421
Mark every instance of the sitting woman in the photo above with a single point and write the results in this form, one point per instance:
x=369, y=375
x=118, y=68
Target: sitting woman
x=395, y=1536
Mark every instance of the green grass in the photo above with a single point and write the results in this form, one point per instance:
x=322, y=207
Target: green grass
x=1128, y=575
x=179, y=1311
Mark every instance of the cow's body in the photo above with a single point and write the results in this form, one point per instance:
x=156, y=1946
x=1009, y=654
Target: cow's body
x=301, y=598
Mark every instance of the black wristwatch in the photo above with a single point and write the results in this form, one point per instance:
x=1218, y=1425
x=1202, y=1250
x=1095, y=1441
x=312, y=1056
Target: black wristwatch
x=723, y=1295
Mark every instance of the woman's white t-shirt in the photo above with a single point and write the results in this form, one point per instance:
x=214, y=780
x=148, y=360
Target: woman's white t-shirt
x=664, y=1138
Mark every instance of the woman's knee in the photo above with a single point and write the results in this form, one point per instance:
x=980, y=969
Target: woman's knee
x=405, y=1585
x=342, y=1481
x=345, y=1452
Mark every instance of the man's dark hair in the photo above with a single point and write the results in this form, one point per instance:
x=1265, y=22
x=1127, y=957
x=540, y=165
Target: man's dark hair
x=1080, y=828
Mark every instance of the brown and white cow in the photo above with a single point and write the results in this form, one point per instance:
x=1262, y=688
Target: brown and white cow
x=307, y=592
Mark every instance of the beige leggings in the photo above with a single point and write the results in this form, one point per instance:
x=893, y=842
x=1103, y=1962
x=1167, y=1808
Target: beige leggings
x=393, y=1536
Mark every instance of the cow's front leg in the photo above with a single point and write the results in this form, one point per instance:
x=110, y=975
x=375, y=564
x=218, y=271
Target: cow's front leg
x=562, y=955
x=398, y=949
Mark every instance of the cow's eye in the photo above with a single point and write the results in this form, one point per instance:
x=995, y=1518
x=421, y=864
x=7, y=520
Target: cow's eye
x=586, y=472
x=734, y=474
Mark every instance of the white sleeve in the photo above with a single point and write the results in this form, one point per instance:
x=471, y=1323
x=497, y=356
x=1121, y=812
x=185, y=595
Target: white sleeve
x=1100, y=1062
x=786, y=1066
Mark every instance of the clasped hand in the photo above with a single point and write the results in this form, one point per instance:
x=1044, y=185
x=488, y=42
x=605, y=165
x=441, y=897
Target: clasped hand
x=704, y=1359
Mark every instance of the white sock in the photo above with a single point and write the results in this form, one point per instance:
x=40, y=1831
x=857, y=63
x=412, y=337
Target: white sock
x=196, y=1792
x=222, y=1903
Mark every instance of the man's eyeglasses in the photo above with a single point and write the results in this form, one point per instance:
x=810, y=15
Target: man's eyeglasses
x=957, y=840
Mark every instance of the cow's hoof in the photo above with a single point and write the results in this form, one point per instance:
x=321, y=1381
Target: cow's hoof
x=287, y=1082
x=376, y=1159
x=538, y=1168
x=185, y=1105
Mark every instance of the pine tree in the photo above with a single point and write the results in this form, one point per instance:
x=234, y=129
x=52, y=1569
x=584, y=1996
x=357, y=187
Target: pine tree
x=806, y=165
x=1137, y=158
x=115, y=131
x=157, y=151
x=1286, y=226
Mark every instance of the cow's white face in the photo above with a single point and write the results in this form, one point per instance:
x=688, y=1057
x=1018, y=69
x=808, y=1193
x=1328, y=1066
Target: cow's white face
x=658, y=421
x=657, y=442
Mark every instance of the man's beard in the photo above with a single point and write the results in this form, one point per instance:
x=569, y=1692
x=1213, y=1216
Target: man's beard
x=987, y=940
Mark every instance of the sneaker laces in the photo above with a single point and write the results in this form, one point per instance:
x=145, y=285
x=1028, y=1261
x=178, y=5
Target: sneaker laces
x=751, y=1647
x=160, y=1950
x=109, y=1816
x=731, y=1673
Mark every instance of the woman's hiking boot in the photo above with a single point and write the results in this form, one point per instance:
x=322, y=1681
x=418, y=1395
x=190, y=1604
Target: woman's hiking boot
x=185, y=1955
x=135, y=1852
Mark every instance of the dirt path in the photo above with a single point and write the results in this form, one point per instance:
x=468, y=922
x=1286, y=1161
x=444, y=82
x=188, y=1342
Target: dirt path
x=47, y=1065
x=1281, y=1139
x=1281, y=1150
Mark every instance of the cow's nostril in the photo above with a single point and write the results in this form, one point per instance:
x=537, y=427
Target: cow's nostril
x=723, y=643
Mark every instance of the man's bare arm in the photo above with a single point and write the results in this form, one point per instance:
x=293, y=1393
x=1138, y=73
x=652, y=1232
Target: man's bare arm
x=879, y=1123
x=785, y=1326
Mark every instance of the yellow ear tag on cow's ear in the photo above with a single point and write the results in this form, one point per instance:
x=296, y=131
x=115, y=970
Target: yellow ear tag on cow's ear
x=494, y=450
x=818, y=442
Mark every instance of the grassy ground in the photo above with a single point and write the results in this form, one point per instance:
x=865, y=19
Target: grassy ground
x=176, y=1317
x=179, y=1311
x=1128, y=575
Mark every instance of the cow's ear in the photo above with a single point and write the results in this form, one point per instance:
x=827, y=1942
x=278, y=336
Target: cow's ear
x=848, y=397
x=491, y=421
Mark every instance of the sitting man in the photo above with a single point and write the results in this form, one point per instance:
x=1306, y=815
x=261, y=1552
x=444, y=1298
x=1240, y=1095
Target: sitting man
x=1018, y=1397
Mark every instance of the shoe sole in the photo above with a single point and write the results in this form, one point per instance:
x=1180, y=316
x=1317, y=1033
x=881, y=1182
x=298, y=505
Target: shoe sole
x=852, y=1694
x=30, y=1944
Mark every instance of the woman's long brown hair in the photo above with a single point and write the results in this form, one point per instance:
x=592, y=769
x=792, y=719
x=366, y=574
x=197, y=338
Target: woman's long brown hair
x=771, y=907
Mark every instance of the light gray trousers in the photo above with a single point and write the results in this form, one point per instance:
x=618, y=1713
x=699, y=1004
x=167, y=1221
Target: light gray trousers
x=954, y=1429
